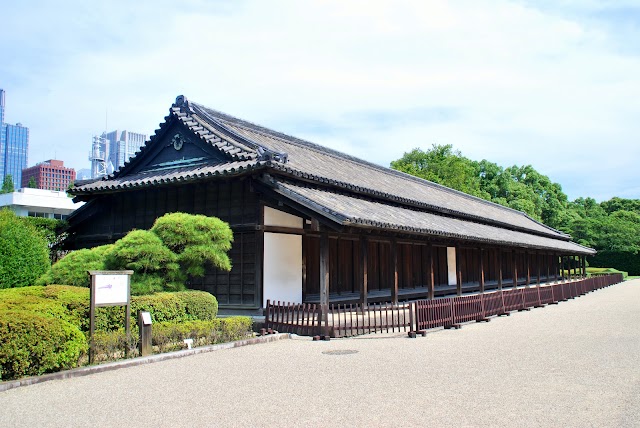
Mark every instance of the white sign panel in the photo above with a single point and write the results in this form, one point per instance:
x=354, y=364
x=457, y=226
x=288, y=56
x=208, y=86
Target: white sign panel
x=111, y=290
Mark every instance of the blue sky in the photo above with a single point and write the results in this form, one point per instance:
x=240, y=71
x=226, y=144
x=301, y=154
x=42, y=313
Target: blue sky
x=552, y=83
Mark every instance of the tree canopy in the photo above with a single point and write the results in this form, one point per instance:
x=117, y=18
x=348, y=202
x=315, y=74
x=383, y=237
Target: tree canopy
x=7, y=184
x=611, y=227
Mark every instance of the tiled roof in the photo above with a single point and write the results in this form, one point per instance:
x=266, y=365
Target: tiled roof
x=357, y=192
x=311, y=161
x=358, y=212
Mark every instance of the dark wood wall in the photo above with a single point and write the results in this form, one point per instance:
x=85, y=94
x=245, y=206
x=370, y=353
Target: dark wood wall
x=346, y=268
x=233, y=201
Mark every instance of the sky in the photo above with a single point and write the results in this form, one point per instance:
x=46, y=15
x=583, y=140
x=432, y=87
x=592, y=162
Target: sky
x=552, y=83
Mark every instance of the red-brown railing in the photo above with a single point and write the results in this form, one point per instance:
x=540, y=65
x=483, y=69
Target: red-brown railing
x=433, y=313
x=468, y=308
x=344, y=320
x=493, y=304
x=531, y=297
x=302, y=319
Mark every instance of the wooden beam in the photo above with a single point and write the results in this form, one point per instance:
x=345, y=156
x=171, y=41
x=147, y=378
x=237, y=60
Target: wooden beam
x=394, y=269
x=430, y=275
x=285, y=230
x=364, y=267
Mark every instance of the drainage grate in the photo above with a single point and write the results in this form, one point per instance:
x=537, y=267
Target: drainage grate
x=340, y=352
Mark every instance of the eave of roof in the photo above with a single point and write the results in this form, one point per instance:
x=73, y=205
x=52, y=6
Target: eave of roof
x=358, y=212
x=169, y=176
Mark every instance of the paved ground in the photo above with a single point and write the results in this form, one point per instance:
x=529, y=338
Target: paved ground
x=575, y=364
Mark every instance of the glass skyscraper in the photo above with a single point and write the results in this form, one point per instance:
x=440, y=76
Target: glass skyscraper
x=14, y=145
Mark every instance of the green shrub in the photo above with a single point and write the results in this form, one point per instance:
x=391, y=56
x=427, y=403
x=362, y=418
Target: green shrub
x=154, y=265
x=197, y=240
x=199, y=305
x=167, y=336
x=111, y=345
x=234, y=328
x=33, y=344
x=24, y=254
x=53, y=231
x=71, y=304
x=72, y=268
x=164, y=307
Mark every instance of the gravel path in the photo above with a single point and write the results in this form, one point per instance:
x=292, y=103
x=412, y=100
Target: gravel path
x=575, y=364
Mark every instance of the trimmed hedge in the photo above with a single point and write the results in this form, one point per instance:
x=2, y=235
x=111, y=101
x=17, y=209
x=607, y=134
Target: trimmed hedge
x=71, y=304
x=44, y=328
x=33, y=344
x=169, y=336
x=621, y=260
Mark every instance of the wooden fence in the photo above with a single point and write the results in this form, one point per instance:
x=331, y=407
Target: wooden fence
x=343, y=320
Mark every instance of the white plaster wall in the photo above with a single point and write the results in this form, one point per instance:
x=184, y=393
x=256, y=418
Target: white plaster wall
x=273, y=217
x=451, y=265
x=282, y=270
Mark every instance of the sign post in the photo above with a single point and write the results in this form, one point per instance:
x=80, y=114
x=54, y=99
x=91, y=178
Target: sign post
x=109, y=288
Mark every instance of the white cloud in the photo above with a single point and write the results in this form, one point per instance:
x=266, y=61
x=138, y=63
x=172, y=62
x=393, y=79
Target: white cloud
x=543, y=83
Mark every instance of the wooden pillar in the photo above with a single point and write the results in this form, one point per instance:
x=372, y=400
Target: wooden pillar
x=324, y=279
x=538, y=267
x=562, y=270
x=499, y=269
x=515, y=269
x=430, y=276
x=364, y=267
x=481, y=270
x=555, y=267
x=304, y=267
x=458, y=272
x=548, y=264
x=394, y=269
x=584, y=266
x=527, y=259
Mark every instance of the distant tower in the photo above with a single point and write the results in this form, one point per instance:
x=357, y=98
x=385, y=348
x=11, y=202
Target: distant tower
x=98, y=156
x=112, y=149
x=14, y=146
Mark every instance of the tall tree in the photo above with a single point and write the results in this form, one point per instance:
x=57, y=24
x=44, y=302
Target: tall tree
x=7, y=184
x=442, y=165
x=32, y=183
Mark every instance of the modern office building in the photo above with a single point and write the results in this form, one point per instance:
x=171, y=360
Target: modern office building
x=39, y=203
x=49, y=175
x=112, y=149
x=83, y=174
x=14, y=145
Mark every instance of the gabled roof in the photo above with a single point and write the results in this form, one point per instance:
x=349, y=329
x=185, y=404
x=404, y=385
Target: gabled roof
x=360, y=193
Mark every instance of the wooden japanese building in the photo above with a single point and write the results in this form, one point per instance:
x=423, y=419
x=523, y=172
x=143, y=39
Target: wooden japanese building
x=315, y=225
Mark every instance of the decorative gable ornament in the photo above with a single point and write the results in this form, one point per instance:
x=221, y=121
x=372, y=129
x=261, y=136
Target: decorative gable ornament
x=178, y=141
